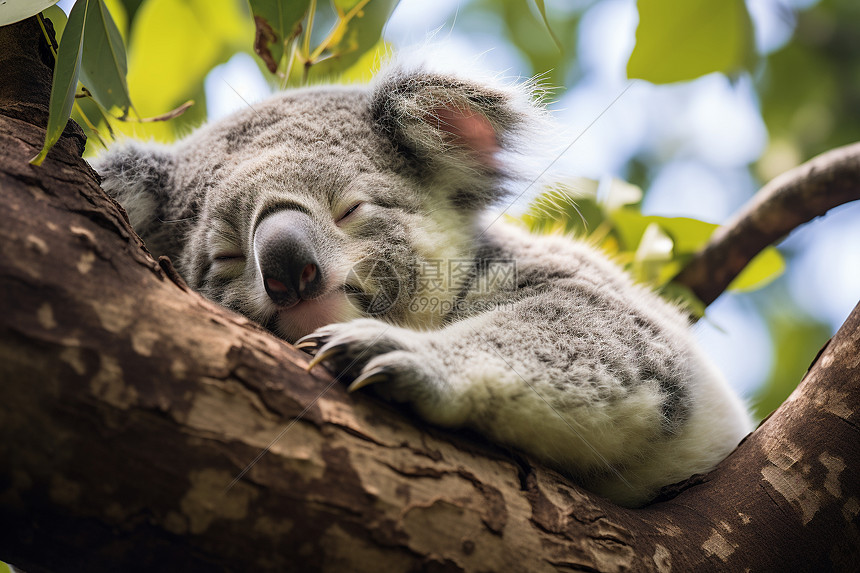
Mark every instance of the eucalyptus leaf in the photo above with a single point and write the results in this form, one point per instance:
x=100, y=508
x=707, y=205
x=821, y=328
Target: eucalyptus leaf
x=172, y=47
x=542, y=9
x=103, y=65
x=679, y=40
x=527, y=34
x=760, y=272
x=357, y=32
x=12, y=11
x=58, y=19
x=619, y=194
x=119, y=14
x=687, y=234
x=655, y=245
x=277, y=22
x=66, y=72
x=654, y=251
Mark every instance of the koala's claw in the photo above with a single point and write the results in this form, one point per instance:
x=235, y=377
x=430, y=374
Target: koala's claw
x=394, y=362
x=324, y=353
x=368, y=378
x=309, y=342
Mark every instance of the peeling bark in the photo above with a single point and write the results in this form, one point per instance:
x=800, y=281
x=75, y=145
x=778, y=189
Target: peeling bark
x=129, y=404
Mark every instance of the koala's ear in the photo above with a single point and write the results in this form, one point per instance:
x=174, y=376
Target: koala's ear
x=460, y=130
x=138, y=175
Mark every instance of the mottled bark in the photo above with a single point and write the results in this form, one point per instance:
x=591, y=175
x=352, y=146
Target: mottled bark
x=128, y=405
x=788, y=201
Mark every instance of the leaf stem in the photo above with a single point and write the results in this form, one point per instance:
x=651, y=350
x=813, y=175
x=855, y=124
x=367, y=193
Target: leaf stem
x=343, y=21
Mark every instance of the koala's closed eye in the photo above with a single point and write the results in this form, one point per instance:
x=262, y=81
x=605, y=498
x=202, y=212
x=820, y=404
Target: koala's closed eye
x=228, y=257
x=346, y=214
x=224, y=246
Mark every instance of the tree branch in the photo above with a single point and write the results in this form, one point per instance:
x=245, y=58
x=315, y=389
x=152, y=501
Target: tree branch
x=788, y=201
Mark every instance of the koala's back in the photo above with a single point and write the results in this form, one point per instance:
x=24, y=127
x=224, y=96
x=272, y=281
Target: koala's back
x=650, y=403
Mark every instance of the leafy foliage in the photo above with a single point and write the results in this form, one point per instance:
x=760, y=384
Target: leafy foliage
x=66, y=74
x=278, y=25
x=678, y=41
x=810, y=88
x=173, y=46
x=653, y=248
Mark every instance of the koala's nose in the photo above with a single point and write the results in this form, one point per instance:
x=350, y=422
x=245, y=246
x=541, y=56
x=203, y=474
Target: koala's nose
x=283, y=245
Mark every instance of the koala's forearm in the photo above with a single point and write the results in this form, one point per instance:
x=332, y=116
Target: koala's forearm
x=623, y=406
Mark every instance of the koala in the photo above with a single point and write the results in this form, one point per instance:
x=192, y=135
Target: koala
x=353, y=222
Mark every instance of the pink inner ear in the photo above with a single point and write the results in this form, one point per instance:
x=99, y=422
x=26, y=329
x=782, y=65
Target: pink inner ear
x=469, y=129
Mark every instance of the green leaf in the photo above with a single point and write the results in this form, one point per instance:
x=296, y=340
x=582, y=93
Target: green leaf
x=277, y=23
x=103, y=65
x=620, y=194
x=654, y=251
x=542, y=9
x=681, y=40
x=761, y=271
x=363, y=70
x=173, y=45
x=66, y=71
x=120, y=17
x=12, y=11
x=58, y=19
x=688, y=235
x=358, y=31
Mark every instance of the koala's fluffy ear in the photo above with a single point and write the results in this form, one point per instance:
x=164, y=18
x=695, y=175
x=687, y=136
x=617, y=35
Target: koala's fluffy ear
x=458, y=130
x=138, y=176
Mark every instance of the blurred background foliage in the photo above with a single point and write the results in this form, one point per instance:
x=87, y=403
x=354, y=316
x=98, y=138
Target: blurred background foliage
x=649, y=169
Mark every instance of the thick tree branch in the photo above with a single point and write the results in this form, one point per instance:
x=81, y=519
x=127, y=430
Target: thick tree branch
x=788, y=201
x=26, y=65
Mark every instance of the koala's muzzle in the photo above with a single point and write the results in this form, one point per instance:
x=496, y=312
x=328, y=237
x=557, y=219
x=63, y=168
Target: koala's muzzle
x=284, y=247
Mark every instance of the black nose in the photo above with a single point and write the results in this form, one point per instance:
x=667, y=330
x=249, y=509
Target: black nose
x=284, y=248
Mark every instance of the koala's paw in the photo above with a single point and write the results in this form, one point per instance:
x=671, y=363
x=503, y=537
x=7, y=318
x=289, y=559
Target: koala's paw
x=394, y=360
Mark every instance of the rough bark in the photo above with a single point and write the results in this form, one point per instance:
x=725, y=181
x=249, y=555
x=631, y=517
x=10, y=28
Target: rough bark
x=128, y=405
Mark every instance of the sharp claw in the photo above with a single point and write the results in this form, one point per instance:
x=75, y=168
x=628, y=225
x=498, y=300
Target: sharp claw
x=368, y=378
x=311, y=339
x=324, y=353
x=309, y=343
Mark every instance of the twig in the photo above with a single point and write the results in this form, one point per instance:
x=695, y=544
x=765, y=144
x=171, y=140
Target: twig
x=788, y=201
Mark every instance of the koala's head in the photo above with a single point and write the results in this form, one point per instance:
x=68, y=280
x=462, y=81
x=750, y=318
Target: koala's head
x=328, y=203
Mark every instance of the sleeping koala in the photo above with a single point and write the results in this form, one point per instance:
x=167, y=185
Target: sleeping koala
x=352, y=221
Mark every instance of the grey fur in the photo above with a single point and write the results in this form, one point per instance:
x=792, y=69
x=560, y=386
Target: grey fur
x=571, y=362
